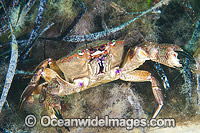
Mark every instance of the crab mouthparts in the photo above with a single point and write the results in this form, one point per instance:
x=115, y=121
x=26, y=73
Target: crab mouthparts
x=101, y=65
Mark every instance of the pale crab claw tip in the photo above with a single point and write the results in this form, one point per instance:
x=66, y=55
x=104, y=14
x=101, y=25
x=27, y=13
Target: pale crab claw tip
x=27, y=92
x=185, y=55
x=185, y=58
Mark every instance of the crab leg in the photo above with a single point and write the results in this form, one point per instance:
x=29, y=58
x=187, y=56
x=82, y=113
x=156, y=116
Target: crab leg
x=53, y=102
x=140, y=76
x=157, y=94
x=163, y=76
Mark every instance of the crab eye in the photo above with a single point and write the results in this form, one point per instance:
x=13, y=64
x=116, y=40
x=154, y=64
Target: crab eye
x=113, y=42
x=80, y=52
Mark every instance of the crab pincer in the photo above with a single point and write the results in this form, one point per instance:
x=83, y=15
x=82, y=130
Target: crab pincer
x=31, y=87
x=34, y=81
x=188, y=66
x=185, y=57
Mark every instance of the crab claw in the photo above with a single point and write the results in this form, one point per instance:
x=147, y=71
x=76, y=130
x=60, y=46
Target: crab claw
x=34, y=81
x=31, y=87
x=188, y=66
x=186, y=58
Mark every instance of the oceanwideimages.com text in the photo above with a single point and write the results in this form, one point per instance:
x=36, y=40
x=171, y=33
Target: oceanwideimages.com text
x=129, y=123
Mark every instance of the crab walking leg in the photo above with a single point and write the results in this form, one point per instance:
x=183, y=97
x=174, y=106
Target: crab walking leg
x=162, y=75
x=51, y=101
x=157, y=94
x=141, y=76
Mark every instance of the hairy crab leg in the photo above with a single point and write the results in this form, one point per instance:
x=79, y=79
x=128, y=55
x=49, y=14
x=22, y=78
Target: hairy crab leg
x=49, y=75
x=140, y=76
x=163, y=76
x=158, y=95
x=52, y=102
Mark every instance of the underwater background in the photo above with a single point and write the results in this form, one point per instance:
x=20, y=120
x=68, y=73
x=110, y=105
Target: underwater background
x=173, y=22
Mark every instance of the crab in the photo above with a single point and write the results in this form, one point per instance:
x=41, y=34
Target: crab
x=106, y=62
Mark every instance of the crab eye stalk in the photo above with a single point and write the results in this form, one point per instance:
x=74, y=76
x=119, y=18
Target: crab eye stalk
x=80, y=52
x=113, y=42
